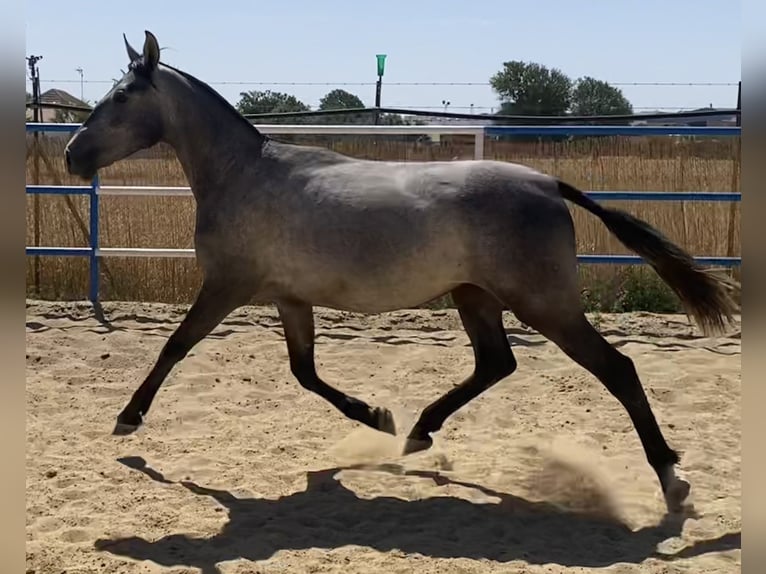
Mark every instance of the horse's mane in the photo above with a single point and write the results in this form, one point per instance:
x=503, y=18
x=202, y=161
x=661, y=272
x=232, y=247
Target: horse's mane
x=138, y=66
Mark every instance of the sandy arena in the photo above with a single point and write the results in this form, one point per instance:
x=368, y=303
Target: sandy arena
x=239, y=470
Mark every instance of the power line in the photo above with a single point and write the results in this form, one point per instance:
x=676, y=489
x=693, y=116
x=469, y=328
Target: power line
x=673, y=83
x=254, y=83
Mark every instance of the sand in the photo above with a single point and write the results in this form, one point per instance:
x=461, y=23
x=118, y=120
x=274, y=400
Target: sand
x=238, y=469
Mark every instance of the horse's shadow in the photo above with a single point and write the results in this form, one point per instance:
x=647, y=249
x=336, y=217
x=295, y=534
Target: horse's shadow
x=328, y=515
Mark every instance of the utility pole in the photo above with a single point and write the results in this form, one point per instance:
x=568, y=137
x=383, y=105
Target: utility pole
x=34, y=75
x=381, y=58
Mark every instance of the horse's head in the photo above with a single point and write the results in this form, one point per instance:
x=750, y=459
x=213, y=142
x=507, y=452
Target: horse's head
x=126, y=120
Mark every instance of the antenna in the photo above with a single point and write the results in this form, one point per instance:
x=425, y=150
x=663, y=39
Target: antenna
x=80, y=71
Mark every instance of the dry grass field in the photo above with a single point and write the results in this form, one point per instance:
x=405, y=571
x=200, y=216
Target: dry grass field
x=621, y=163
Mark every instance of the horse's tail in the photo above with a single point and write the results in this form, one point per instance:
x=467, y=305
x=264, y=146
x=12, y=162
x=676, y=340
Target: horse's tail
x=707, y=296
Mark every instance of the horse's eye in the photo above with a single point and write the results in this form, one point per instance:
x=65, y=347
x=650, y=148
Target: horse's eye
x=120, y=96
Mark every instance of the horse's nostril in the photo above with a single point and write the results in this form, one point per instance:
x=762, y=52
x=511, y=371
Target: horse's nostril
x=67, y=158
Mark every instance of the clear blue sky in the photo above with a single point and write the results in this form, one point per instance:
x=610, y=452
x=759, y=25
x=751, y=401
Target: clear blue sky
x=334, y=41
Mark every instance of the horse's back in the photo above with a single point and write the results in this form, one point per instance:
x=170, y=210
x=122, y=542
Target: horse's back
x=376, y=235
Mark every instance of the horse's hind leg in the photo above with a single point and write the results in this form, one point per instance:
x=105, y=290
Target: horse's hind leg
x=214, y=302
x=482, y=317
x=298, y=322
x=567, y=326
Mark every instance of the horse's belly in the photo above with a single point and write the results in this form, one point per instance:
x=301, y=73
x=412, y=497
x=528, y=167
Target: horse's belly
x=371, y=289
x=386, y=298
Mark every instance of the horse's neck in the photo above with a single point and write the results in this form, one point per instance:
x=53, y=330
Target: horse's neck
x=211, y=143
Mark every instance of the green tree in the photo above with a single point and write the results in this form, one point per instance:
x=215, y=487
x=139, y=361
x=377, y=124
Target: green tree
x=265, y=102
x=338, y=100
x=591, y=97
x=341, y=99
x=527, y=88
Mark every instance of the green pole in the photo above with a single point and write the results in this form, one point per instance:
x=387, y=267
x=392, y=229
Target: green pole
x=381, y=61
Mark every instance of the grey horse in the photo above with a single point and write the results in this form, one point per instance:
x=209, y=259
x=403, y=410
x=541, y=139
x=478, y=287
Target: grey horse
x=303, y=226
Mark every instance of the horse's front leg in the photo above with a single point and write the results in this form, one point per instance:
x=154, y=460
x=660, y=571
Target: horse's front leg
x=298, y=322
x=214, y=302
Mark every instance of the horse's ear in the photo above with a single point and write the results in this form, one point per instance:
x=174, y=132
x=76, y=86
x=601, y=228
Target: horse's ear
x=151, y=51
x=132, y=54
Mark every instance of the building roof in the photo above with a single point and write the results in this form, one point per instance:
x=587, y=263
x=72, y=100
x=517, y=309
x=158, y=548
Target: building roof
x=56, y=96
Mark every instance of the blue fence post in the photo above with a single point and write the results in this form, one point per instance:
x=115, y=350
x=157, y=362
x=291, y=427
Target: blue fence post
x=94, y=271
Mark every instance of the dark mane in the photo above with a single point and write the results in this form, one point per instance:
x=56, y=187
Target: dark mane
x=223, y=101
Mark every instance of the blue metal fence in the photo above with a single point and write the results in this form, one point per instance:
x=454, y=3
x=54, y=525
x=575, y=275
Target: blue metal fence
x=92, y=191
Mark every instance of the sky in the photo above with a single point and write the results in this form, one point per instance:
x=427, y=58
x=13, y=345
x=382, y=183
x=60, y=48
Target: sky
x=241, y=45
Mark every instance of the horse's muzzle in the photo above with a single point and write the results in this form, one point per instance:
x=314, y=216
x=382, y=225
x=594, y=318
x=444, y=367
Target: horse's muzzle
x=77, y=167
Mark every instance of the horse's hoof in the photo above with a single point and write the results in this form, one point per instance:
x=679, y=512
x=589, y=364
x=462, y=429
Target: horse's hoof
x=126, y=425
x=417, y=444
x=676, y=493
x=123, y=429
x=385, y=420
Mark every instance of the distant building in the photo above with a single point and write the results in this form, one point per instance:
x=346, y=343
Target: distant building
x=481, y=120
x=55, y=96
x=725, y=117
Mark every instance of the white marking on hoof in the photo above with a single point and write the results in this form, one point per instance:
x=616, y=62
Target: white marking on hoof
x=676, y=490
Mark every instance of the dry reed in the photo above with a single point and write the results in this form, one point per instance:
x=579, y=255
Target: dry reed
x=614, y=163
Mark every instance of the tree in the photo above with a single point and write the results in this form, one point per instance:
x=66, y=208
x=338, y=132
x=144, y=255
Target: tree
x=338, y=100
x=265, y=102
x=527, y=88
x=591, y=97
x=341, y=99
